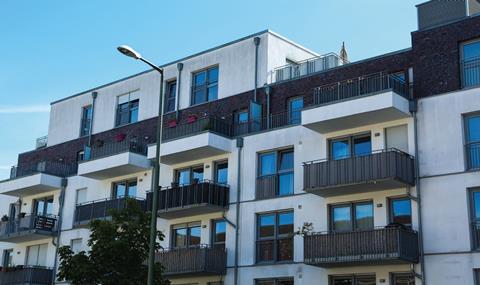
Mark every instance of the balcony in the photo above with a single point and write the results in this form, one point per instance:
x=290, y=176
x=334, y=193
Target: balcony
x=434, y=13
x=26, y=275
x=380, y=170
x=28, y=228
x=101, y=209
x=195, y=261
x=370, y=247
x=193, y=199
x=36, y=178
x=265, y=123
x=357, y=102
x=470, y=72
x=114, y=159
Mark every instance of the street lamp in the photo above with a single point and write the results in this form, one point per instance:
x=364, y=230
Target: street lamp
x=130, y=52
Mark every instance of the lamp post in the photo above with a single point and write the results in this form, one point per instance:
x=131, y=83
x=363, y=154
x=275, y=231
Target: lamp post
x=130, y=52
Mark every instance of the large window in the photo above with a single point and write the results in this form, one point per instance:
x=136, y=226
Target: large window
x=351, y=216
x=127, y=108
x=277, y=165
x=221, y=172
x=275, y=237
x=76, y=245
x=295, y=107
x=353, y=280
x=43, y=206
x=276, y=281
x=37, y=255
x=205, y=85
x=475, y=216
x=401, y=211
x=7, y=259
x=403, y=279
x=123, y=189
x=219, y=233
x=189, y=175
x=472, y=141
x=81, y=196
x=470, y=53
x=346, y=147
x=170, y=96
x=186, y=235
x=86, y=120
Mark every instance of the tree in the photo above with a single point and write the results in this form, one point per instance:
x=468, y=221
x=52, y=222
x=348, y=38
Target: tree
x=118, y=251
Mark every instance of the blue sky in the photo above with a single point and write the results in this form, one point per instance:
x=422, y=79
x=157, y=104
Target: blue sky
x=53, y=49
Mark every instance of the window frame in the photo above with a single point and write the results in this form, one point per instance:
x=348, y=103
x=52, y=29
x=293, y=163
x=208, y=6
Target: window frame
x=351, y=138
x=213, y=242
x=394, y=275
x=45, y=200
x=474, y=241
x=83, y=118
x=467, y=142
x=167, y=94
x=205, y=87
x=127, y=187
x=353, y=277
x=128, y=110
x=74, y=240
x=290, y=111
x=6, y=263
x=190, y=169
x=188, y=226
x=275, y=238
x=352, y=205
x=390, y=209
x=278, y=172
x=462, y=62
x=274, y=280
x=216, y=164
x=38, y=254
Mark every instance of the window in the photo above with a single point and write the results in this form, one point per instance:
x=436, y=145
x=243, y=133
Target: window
x=353, y=280
x=221, y=172
x=205, y=85
x=351, y=217
x=127, y=108
x=241, y=117
x=295, y=107
x=401, y=211
x=186, y=235
x=219, y=228
x=43, y=206
x=37, y=255
x=189, y=175
x=357, y=145
x=170, y=96
x=470, y=60
x=279, y=281
x=275, y=237
x=403, y=279
x=76, y=245
x=277, y=165
x=397, y=137
x=125, y=189
x=472, y=141
x=80, y=155
x=7, y=260
x=86, y=120
x=475, y=216
x=81, y=196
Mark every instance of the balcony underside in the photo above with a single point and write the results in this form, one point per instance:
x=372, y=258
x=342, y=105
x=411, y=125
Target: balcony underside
x=26, y=236
x=30, y=185
x=358, y=260
x=190, y=210
x=356, y=188
x=356, y=112
x=114, y=165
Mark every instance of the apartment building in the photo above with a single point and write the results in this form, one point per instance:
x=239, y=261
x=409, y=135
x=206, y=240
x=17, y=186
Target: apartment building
x=261, y=136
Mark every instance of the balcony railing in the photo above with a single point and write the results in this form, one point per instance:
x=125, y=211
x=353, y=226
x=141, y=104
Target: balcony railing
x=101, y=209
x=360, y=86
x=376, y=246
x=433, y=13
x=113, y=148
x=201, y=197
x=26, y=275
x=473, y=155
x=380, y=170
x=203, y=260
x=273, y=121
x=470, y=72
x=196, y=126
x=309, y=66
x=41, y=142
x=266, y=186
x=29, y=224
x=48, y=167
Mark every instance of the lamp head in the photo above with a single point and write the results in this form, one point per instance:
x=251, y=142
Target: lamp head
x=128, y=51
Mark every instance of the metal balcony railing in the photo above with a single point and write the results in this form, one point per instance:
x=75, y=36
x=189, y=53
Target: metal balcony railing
x=360, y=86
x=265, y=123
x=437, y=12
x=56, y=168
x=379, y=166
x=473, y=155
x=470, y=72
x=101, y=209
x=198, y=125
x=266, y=186
x=376, y=246
x=26, y=275
x=41, y=142
x=114, y=147
x=305, y=67
x=38, y=223
x=201, y=260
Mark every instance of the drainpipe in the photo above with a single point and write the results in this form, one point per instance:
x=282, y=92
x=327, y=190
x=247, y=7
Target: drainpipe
x=237, y=207
x=268, y=90
x=177, y=108
x=94, y=97
x=256, y=41
x=56, y=241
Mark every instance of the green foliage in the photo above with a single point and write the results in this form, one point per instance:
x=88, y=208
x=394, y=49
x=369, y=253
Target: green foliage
x=118, y=251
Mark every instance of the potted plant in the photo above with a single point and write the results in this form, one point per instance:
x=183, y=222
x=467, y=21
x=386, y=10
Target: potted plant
x=172, y=123
x=191, y=118
x=120, y=137
x=4, y=218
x=22, y=215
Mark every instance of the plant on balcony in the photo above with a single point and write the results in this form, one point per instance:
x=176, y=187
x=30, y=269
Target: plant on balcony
x=21, y=215
x=4, y=218
x=117, y=254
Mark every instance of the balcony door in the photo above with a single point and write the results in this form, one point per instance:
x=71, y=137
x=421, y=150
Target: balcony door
x=397, y=137
x=124, y=189
x=189, y=175
x=351, y=217
x=186, y=235
x=37, y=255
x=475, y=217
x=43, y=206
x=346, y=147
x=7, y=260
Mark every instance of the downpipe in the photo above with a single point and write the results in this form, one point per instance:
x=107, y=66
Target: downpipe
x=256, y=41
x=237, y=209
x=56, y=241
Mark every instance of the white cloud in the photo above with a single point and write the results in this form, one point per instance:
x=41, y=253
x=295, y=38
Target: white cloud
x=6, y=109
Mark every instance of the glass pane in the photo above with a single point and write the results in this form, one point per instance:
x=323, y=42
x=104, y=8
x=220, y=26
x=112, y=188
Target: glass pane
x=42, y=255
x=242, y=117
x=476, y=204
x=222, y=173
x=267, y=163
x=32, y=255
x=265, y=282
x=285, y=282
x=285, y=184
x=362, y=146
x=296, y=107
x=342, y=218
x=265, y=250
x=342, y=281
x=404, y=280
x=213, y=75
x=473, y=129
x=172, y=89
x=366, y=280
x=183, y=176
x=340, y=149
x=401, y=211
x=285, y=223
x=267, y=226
x=285, y=249
x=220, y=231
x=81, y=196
x=471, y=51
x=76, y=245
x=119, y=190
x=212, y=92
x=199, y=78
x=40, y=207
x=49, y=207
x=199, y=96
x=180, y=237
x=132, y=189
x=194, y=238
x=286, y=160
x=133, y=115
x=364, y=216
x=198, y=174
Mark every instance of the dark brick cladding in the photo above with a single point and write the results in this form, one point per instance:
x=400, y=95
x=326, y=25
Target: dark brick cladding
x=434, y=58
